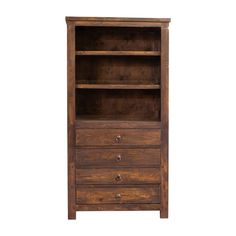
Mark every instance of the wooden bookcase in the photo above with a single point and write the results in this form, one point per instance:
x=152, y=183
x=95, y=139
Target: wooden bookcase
x=117, y=114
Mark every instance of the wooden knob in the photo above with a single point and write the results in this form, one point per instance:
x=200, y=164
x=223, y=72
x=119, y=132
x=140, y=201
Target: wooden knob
x=118, y=196
x=118, y=139
x=118, y=177
x=118, y=158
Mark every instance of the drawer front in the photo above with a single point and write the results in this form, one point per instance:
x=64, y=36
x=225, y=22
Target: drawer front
x=118, y=176
x=117, y=137
x=98, y=195
x=117, y=157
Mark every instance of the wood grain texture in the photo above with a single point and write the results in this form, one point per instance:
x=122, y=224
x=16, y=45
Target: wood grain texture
x=118, y=53
x=120, y=39
x=107, y=195
x=118, y=207
x=118, y=176
x=164, y=121
x=117, y=114
x=98, y=123
x=120, y=24
x=118, y=86
x=117, y=19
x=117, y=137
x=71, y=119
x=86, y=157
x=118, y=70
x=143, y=105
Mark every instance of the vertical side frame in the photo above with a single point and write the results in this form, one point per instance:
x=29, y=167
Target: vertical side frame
x=71, y=118
x=164, y=119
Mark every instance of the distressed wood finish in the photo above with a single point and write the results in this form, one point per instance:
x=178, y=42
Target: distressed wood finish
x=71, y=118
x=118, y=176
x=119, y=104
x=117, y=19
x=118, y=207
x=110, y=195
x=119, y=22
x=117, y=137
x=118, y=86
x=118, y=70
x=88, y=123
x=120, y=157
x=118, y=53
x=121, y=39
x=164, y=120
x=117, y=73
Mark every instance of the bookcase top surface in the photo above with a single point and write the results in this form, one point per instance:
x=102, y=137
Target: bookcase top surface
x=118, y=19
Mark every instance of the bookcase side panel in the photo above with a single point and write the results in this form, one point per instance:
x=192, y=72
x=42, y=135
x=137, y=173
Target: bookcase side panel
x=164, y=120
x=71, y=118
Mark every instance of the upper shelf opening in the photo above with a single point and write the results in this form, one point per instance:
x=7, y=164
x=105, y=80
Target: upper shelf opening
x=117, y=39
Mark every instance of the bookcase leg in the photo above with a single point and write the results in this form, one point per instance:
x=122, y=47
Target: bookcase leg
x=71, y=215
x=164, y=213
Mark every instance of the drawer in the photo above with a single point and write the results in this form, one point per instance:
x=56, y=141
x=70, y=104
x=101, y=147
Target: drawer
x=108, y=195
x=118, y=176
x=117, y=137
x=117, y=157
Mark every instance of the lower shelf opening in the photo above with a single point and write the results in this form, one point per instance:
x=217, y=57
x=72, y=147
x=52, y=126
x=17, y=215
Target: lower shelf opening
x=118, y=105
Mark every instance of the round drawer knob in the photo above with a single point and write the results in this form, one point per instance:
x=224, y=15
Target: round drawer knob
x=118, y=158
x=118, y=177
x=118, y=196
x=118, y=139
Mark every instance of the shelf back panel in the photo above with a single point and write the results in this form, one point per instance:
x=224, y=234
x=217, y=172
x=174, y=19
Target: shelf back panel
x=118, y=104
x=117, y=70
x=118, y=38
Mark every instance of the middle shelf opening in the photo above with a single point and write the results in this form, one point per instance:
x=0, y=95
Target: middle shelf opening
x=122, y=70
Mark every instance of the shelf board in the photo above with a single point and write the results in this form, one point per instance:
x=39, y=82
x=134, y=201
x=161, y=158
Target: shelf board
x=118, y=86
x=118, y=53
x=113, y=122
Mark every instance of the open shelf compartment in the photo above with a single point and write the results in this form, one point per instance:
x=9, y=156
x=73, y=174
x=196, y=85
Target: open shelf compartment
x=118, y=105
x=123, y=70
x=117, y=38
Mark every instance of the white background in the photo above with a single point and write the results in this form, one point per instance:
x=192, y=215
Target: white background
x=33, y=172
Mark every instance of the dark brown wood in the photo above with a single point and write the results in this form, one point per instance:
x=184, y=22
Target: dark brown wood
x=118, y=70
x=71, y=118
x=107, y=157
x=119, y=104
x=119, y=22
x=117, y=114
x=118, y=176
x=98, y=123
x=118, y=53
x=118, y=207
x=117, y=19
x=117, y=137
x=164, y=122
x=119, y=40
x=125, y=194
x=118, y=86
